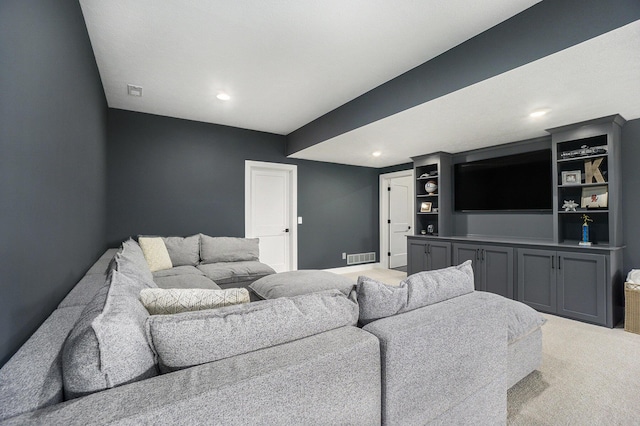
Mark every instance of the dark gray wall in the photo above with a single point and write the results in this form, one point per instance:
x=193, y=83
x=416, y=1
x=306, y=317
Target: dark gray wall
x=168, y=176
x=631, y=193
x=545, y=28
x=52, y=161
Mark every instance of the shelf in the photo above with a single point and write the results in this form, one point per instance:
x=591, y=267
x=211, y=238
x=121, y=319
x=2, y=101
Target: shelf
x=583, y=185
x=586, y=157
x=428, y=177
x=427, y=213
x=426, y=195
x=584, y=211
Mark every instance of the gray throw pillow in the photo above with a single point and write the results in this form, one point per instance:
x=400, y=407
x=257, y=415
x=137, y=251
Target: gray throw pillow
x=295, y=283
x=378, y=300
x=192, y=338
x=228, y=249
x=183, y=250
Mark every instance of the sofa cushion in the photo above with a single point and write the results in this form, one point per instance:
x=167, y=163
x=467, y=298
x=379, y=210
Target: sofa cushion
x=186, y=281
x=178, y=270
x=295, y=283
x=84, y=291
x=233, y=272
x=155, y=252
x=183, y=250
x=521, y=320
x=173, y=301
x=32, y=378
x=379, y=300
x=102, y=265
x=228, y=249
x=131, y=262
x=108, y=347
x=191, y=338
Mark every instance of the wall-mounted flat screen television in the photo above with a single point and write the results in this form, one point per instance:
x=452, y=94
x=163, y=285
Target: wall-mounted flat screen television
x=520, y=182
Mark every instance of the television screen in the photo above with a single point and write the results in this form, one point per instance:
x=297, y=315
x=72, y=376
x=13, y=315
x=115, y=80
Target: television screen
x=511, y=183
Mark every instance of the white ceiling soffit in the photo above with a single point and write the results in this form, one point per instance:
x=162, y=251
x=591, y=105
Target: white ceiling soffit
x=283, y=63
x=596, y=78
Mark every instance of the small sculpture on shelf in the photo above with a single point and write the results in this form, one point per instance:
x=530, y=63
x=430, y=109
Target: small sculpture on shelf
x=585, y=230
x=569, y=206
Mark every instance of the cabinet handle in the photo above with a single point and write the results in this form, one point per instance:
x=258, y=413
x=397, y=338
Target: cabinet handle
x=559, y=263
x=478, y=254
x=483, y=255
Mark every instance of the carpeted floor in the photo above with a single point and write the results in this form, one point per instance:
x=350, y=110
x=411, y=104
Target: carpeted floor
x=590, y=375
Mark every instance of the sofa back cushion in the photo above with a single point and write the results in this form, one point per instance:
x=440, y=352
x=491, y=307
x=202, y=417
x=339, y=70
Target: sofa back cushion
x=108, y=347
x=192, y=338
x=228, y=249
x=131, y=262
x=183, y=250
x=378, y=300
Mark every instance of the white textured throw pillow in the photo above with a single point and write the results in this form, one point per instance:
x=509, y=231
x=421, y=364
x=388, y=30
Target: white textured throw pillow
x=155, y=252
x=175, y=300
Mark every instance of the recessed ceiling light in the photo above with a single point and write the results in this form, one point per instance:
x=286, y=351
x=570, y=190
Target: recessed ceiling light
x=376, y=154
x=539, y=113
x=223, y=96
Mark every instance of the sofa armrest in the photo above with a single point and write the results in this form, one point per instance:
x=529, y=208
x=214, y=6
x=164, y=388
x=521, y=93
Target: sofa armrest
x=445, y=363
x=328, y=378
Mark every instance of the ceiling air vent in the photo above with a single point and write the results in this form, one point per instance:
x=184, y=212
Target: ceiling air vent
x=133, y=90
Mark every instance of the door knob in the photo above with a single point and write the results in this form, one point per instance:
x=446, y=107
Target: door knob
x=286, y=230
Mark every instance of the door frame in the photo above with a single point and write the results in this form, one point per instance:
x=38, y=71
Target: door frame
x=384, y=212
x=292, y=169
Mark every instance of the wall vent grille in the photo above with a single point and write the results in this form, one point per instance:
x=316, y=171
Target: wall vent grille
x=354, y=259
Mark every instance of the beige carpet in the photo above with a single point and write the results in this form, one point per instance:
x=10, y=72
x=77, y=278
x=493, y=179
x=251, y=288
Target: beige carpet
x=387, y=276
x=590, y=375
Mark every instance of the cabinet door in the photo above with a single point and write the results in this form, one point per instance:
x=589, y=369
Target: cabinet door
x=438, y=255
x=464, y=252
x=497, y=270
x=537, y=279
x=416, y=257
x=581, y=286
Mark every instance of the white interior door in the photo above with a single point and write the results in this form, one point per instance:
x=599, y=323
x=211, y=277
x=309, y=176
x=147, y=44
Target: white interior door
x=400, y=219
x=270, y=212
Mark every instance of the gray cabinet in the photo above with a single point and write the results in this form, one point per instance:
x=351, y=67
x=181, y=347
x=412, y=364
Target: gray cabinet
x=571, y=284
x=426, y=255
x=582, y=279
x=537, y=279
x=492, y=266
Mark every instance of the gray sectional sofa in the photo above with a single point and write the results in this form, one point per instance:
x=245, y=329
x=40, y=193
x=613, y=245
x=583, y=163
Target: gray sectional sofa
x=100, y=358
x=211, y=262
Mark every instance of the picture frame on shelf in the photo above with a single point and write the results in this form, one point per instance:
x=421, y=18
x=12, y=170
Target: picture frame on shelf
x=572, y=177
x=595, y=197
x=425, y=207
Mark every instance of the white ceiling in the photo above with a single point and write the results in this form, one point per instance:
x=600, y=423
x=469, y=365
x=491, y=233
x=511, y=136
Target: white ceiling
x=289, y=62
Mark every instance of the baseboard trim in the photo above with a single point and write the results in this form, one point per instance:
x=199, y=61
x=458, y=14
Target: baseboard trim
x=355, y=268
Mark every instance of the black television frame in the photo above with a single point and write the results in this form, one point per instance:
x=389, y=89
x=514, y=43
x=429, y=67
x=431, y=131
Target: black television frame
x=479, y=186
